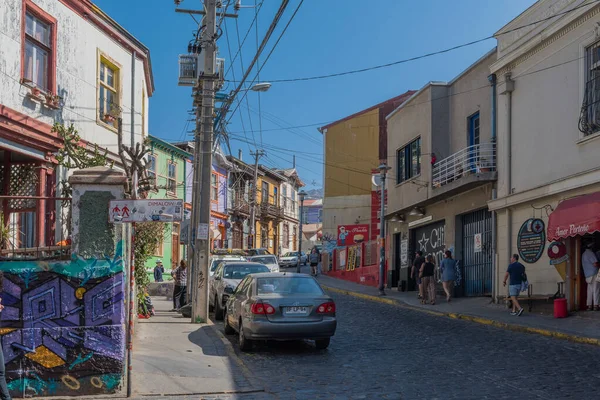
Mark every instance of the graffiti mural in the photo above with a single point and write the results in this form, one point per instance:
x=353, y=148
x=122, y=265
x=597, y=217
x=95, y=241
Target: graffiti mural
x=62, y=328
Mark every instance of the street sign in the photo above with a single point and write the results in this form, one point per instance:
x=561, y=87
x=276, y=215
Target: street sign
x=203, y=231
x=478, y=243
x=147, y=210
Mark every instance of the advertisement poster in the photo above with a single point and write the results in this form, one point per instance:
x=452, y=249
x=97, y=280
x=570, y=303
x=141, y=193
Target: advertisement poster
x=349, y=235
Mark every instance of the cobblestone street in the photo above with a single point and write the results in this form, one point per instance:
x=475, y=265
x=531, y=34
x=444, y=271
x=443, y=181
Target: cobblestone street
x=382, y=351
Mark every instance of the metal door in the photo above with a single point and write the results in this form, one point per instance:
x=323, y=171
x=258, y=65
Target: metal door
x=477, y=253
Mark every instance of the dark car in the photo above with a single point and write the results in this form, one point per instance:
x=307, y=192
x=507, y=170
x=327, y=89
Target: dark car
x=225, y=280
x=280, y=306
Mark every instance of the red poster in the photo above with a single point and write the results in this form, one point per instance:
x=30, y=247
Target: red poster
x=349, y=235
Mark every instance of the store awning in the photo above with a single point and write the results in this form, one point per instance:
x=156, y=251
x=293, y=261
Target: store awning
x=575, y=217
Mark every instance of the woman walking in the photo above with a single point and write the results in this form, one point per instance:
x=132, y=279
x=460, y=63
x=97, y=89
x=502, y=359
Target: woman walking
x=427, y=280
x=314, y=259
x=448, y=269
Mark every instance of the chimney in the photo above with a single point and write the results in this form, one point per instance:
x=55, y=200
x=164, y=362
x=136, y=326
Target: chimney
x=240, y=154
x=294, y=163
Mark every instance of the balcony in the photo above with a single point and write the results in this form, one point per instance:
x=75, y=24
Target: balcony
x=467, y=168
x=240, y=204
x=269, y=209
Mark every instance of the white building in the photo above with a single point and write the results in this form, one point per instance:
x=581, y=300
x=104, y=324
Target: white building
x=548, y=142
x=290, y=203
x=63, y=61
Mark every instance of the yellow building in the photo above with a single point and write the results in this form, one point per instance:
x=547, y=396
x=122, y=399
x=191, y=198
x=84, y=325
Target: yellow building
x=353, y=147
x=269, y=212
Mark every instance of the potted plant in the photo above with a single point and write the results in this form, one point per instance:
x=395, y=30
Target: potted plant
x=35, y=93
x=52, y=101
x=483, y=165
x=110, y=116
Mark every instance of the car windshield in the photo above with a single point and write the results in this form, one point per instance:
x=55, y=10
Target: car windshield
x=215, y=263
x=239, y=271
x=290, y=254
x=287, y=285
x=265, y=259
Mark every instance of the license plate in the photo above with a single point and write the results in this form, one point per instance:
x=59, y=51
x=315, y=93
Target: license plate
x=296, y=310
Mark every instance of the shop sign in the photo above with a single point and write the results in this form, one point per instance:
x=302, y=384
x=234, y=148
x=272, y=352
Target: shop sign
x=430, y=239
x=156, y=210
x=349, y=235
x=531, y=240
x=477, y=245
x=557, y=252
x=404, y=253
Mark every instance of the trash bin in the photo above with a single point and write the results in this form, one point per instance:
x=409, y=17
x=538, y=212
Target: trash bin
x=560, y=308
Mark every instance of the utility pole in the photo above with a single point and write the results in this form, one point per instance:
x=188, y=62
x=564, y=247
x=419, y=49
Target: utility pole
x=203, y=161
x=257, y=155
x=383, y=169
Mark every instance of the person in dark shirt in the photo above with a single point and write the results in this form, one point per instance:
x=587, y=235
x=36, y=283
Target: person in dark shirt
x=428, y=280
x=515, y=272
x=417, y=264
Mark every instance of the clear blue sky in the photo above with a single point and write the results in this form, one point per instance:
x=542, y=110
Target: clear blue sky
x=326, y=36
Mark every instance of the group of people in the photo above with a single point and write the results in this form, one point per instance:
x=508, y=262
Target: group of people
x=179, y=274
x=423, y=271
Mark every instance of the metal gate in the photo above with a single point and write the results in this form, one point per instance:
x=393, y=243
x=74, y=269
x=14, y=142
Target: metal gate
x=477, y=253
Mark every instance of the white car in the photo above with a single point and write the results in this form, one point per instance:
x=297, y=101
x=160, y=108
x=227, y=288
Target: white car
x=268, y=260
x=216, y=260
x=292, y=259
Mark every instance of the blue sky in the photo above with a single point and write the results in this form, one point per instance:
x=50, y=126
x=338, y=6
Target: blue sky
x=326, y=36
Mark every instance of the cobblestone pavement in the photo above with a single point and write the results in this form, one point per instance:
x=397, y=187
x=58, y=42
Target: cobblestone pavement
x=384, y=352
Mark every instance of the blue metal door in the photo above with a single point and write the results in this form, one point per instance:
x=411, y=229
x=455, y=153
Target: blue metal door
x=477, y=253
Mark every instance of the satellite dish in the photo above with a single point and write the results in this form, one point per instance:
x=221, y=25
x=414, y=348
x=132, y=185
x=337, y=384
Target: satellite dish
x=376, y=180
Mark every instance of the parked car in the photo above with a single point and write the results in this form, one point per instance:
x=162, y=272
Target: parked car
x=270, y=261
x=225, y=280
x=216, y=260
x=257, y=252
x=292, y=258
x=280, y=306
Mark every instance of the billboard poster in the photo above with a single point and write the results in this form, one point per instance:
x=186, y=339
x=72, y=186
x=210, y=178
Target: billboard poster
x=349, y=235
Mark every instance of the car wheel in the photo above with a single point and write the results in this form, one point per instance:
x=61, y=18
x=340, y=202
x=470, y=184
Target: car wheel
x=245, y=344
x=218, y=310
x=322, y=344
x=227, y=328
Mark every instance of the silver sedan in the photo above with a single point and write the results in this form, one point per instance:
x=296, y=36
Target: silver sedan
x=280, y=306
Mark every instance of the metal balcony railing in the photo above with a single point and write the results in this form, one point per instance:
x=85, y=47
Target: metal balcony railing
x=475, y=159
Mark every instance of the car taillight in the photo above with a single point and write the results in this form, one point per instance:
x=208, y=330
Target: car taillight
x=262, y=309
x=326, y=308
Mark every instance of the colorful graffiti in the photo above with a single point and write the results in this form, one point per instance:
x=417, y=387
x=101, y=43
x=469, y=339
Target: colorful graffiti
x=62, y=328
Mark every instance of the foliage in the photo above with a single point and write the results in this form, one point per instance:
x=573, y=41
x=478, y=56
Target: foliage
x=4, y=233
x=148, y=236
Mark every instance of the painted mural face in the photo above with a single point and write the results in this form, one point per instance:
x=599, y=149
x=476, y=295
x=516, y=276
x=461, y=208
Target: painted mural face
x=62, y=328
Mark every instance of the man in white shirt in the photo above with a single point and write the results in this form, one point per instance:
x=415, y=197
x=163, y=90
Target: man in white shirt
x=590, y=264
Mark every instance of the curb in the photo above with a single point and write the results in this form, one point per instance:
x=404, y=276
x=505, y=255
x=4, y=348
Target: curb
x=471, y=318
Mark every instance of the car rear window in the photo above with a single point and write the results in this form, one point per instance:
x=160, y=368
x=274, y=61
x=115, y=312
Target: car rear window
x=265, y=259
x=290, y=254
x=287, y=285
x=240, y=271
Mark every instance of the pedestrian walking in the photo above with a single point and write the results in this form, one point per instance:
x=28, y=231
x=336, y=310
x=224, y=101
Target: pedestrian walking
x=590, y=265
x=427, y=280
x=516, y=273
x=448, y=269
x=416, y=268
x=314, y=259
x=159, y=270
x=180, y=289
x=4, y=393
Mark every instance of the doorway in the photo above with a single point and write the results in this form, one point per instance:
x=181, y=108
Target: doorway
x=477, y=252
x=175, y=243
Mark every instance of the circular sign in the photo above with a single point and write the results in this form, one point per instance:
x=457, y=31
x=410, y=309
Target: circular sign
x=557, y=252
x=531, y=240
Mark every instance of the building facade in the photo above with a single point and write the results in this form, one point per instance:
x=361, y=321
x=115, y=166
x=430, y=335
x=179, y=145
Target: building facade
x=352, y=147
x=548, y=101
x=219, y=218
x=443, y=171
x=313, y=211
x=269, y=211
x=290, y=204
x=241, y=178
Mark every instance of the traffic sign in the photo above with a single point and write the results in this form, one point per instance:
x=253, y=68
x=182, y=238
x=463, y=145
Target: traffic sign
x=147, y=210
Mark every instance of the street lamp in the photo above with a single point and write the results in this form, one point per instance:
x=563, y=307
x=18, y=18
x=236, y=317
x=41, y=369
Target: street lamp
x=301, y=196
x=383, y=169
x=259, y=87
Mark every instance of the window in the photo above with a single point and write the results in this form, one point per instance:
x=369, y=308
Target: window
x=474, y=138
x=214, y=187
x=408, y=161
x=590, y=118
x=108, y=91
x=284, y=196
x=265, y=193
x=320, y=215
x=159, y=247
x=152, y=169
x=286, y=235
x=172, y=177
x=294, y=238
x=39, y=48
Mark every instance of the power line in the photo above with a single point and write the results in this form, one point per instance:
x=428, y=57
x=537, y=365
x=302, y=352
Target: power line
x=407, y=60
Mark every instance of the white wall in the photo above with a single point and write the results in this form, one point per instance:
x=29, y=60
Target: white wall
x=345, y=211
x=78, y=42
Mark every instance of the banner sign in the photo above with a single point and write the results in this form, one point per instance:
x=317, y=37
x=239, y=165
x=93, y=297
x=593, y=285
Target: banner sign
x=146, y=210
x=349, y=235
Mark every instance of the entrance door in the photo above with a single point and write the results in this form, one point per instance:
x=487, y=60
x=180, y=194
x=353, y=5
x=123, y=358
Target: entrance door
x=477, y=253
x=397, y=260
x=175, y=243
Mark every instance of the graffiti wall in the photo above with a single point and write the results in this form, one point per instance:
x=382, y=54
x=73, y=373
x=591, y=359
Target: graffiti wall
x=63, y=326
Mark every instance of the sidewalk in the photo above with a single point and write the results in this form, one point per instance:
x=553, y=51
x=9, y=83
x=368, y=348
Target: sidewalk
x=583, y=327
x=173, y=357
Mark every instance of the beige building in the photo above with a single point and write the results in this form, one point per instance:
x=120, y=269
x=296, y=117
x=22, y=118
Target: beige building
x=548, y=148
x=442, y=153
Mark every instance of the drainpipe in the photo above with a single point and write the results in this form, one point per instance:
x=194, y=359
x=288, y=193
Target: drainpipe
x=507, y=89
x=492, y=80
x=133, y=54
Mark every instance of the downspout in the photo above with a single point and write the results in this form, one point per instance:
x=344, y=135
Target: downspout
x=492, y=80
x=509, y=86
x=133, y=54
